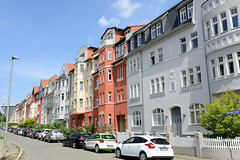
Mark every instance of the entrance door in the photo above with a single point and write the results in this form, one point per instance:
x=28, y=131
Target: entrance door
x=122, y=123
x=176, y=122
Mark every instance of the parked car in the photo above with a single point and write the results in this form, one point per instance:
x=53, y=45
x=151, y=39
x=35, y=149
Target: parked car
x=16, y=130
x=35, y=133
x=75, y=140
x=43, y=133
x=54, y=135
x=101, y=141
x=20, y=131
x=145, y=147
x=24, y=133
x=29, y=132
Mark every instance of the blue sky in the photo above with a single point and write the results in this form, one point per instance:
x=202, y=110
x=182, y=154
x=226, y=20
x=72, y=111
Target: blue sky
x=44, y=34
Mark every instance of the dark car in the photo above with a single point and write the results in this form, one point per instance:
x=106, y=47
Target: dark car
x=29, y=132
x=75, y=140
x=24, y=133
x=35, y=133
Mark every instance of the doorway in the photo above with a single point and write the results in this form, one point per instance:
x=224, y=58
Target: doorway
x=176, y=122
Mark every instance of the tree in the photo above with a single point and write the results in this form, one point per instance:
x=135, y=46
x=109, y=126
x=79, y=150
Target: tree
x=57, y=124
x=4, y=118
x=215, y=118
x=29, y=122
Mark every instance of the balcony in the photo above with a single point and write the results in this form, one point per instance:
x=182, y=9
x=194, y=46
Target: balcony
x=106, y=42
x=80, y=59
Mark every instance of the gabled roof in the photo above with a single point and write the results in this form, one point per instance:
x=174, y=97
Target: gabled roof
x=44, y=82
x=69, y=66
x=35, y=89
x=54, y=77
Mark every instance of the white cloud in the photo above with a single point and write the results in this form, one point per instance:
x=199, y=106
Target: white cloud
x=112, y=21
x=4, y=97
x=126, y=8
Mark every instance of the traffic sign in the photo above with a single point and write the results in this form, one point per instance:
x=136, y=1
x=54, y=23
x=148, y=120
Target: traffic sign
x=233, y=112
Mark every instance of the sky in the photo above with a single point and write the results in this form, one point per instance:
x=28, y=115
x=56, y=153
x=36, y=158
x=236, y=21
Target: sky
x=45, y=34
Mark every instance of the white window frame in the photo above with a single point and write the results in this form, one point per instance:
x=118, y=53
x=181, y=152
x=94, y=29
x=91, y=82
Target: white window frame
x=109, y=119
x=109, y=97
x=184, y=78
x=238, y=59
x=131, y=91
x=109, y=75
x=139, y=40
x=215, y=26
x=158, y=89
x=81, y=86
x=213, y=69
x=223, y=16
x=194, y=112
x=229, y=58
x=208, y=30
x=183, y=14
x=136, y=119
x=132, y=44
x=152, y=86
x=160, y=55
x=190, y=10
x=234, y=14
x=194, y=38
x=158, y=117
x=103, y=56
x=109, y=54
x=199, y=74
x=152, y=58
x=153, y=32
x=162, y=84
x=183, y=45
x=81, y=68
x=159, y=28
x=81, y=102
x=138, y=93
x=221, y=73
x=191, y=76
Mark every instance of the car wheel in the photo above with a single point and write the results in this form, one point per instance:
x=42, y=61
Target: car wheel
x=143, y=156
x=118, y=153
x=74, y=145
x=84, y=146
x=97, y=150
x=49, y=140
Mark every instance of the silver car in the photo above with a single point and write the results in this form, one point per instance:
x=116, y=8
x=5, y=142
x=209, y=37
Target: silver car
x=42, y=135
x=54, y=135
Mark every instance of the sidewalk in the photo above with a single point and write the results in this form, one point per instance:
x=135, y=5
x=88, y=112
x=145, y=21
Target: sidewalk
x=12, y=150
x=186, y=157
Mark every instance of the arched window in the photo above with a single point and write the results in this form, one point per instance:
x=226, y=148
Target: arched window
x=158, y=117
x=194, y=113
x=73, y=122
x=137, y=119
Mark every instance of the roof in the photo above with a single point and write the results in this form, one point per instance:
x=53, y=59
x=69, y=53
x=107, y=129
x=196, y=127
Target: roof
x=35, y=89
x=110, y=28
x=44, y=82
x=54, y=77
x=70, y=66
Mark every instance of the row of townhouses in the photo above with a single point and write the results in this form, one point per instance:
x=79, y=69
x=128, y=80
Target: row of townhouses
x=150, y=78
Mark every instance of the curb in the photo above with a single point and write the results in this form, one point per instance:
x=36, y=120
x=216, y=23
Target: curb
x=20, y=153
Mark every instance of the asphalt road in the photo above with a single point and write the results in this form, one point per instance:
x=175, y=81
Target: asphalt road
x=39, y=150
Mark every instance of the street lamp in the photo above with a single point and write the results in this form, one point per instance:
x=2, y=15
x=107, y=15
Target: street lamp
x=9, y=95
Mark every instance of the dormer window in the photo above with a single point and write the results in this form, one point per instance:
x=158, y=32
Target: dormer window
x=132, y=44
x=190, y=10
x=109, y=36
x=153, y=32
x=183, y=15
x=139, y=40
x=159, y=28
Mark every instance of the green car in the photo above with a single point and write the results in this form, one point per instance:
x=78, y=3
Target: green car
x=100, y=141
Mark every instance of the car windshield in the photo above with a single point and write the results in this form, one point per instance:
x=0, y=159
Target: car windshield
x=160, y=141
x=108, y=137
x=84, y=136
x=57, y=131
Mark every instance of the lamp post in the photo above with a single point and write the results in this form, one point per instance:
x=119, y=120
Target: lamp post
x=9, y=95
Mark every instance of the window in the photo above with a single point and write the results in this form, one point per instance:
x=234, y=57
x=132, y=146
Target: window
x=103, y=79
x=230, y=64
x=234, y=14
x=100, y=98
x=159, y=28
x=109, y=119
x=109, y=54
x=221, y=66
x=162, y=84
x=194, y=40
x=109, y=36
x=183, y=45
x=224, y=22
x=160, y=54
x=215, y=26
x=132, y=44
x=194, y=113
x=103, y=96
x=238, y=56
x=199, y=75
x=95, y=123
x=190, y=10
x=152, y=86
x=122, y=94
x=191, y=77
x=73, y=122
x=97, y=82
x=158, y=117
x=157, y=85
x=131, y=67
x=62, y=96
x=183, y=15
x=135, y=90
x=153, y=32
x=152, y=58
x=208, y=34
x=97, y=101
x=109, y=75
x=134, y=65
x=81, y=85
x=136, y=119
x=81, y=102
x=81, y=68
x=109, y=97
x=119, y=98
x=184, y=78
x=212, y=63
x=131, y=91
x=139, y=40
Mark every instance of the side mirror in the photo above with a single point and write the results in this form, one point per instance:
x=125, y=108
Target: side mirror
x=123, y=142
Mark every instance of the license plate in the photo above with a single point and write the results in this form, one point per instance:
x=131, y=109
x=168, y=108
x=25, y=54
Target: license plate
x=163, y=149
x=110, y=146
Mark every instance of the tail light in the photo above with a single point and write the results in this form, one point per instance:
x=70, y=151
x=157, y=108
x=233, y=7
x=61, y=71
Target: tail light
x=101, y=141
x=80, y=138
x=150, y=145
x=35, y=133
x=63, y=134
x=51, y=134
x=116, y=141
x=30, y=131
x=171, y=146
x=44, y=132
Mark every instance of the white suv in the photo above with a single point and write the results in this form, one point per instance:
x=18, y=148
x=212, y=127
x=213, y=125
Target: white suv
x=43, y=133
x=145, y=147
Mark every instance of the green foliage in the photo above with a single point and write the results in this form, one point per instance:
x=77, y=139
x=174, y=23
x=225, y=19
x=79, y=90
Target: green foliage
x=12, y=124
x=57, y=124
x=89, y=128
x=29, y=123
x=104, y=127
x=80, y=129
x=67, y=131
x=4, y=118
x=216, y=120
